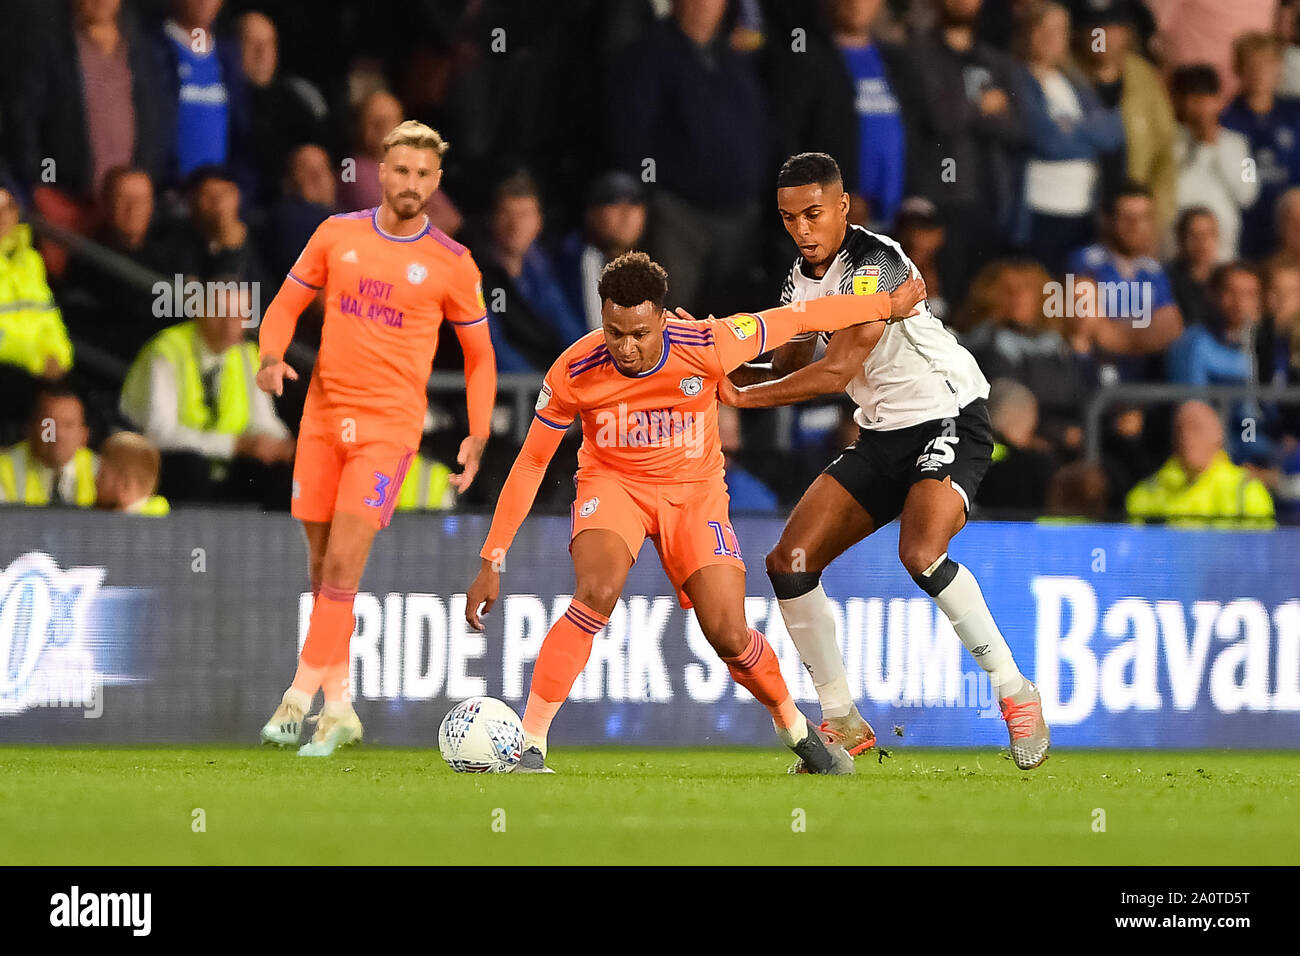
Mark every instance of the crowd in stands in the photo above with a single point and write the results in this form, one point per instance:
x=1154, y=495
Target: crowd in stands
x=1096, y=192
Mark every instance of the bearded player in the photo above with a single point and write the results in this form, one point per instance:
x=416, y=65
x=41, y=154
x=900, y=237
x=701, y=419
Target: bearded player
x=924, y=444
x=390, y=280
x=650, y=465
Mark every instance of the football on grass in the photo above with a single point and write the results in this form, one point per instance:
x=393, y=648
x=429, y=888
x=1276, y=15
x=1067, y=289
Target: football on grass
x=481, y=735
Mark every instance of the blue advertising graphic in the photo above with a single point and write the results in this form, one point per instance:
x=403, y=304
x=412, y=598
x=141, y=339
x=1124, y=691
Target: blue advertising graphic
x=184, y=630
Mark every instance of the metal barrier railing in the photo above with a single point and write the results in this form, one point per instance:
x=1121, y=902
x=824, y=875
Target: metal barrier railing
x=1220, y=397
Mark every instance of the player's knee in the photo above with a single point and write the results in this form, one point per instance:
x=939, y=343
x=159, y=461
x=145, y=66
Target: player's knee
x=597, y=595
x=917, y=554
x=792, y=561
x=928, y=564
x=728, y=640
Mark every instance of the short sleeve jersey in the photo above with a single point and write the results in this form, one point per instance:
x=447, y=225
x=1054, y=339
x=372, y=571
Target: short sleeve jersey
x=385, y=299
x=660, y=425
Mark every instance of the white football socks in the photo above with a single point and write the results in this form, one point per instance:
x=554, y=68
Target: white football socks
x=963, y=602
x=811, y=624
x=790, y=736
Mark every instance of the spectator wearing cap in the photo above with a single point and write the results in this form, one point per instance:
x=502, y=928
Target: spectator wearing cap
x=1197, y=236
x=89, y=97
x=285, y=111
x=1069, y=130
x=969, y=129
x=684, y=100
x=527, y=308
x=377, y=115
x=52, y=465
x=1271, y=125
x=920, y=232
x=1199, y=485
x=208, y=88
x=1133, y=292
x=32, y=334
x=129, y=466
x=1108, y=51
x=215, y=240
x=612, y=224
x=1211, y=160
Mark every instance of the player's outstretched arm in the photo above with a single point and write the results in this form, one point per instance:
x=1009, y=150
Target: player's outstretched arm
x=516, y=500
x=834, y=312
x=480, y=397
x=859, y=322
x=276, y=332
x=829, y=375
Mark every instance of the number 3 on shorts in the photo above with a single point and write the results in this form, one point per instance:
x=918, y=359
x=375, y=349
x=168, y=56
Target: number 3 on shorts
x=381, y=491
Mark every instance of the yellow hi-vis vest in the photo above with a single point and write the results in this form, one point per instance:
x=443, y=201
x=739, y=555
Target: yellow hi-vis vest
x=155, y=506
x=179, y=346
x=23, y=480
x=1224, y=495
x=426, y=487
x=31, y=327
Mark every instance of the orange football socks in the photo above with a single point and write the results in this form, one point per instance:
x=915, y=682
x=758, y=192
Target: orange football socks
x=759, y=672
x=563, y=655
x=324, y=660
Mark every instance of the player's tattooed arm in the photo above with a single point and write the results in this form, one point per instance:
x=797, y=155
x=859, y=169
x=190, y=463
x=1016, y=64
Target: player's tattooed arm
x=830, y=374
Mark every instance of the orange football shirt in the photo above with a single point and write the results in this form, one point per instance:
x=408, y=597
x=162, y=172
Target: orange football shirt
x=660, y=425
x=385, y=299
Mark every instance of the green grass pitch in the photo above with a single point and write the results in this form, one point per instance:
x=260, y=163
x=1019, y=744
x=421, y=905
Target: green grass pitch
x=76, y=806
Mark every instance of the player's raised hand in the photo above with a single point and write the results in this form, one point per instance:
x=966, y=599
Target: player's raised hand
x=482, y=594
x=471, y=453
x=271, y=376
x=903, y=300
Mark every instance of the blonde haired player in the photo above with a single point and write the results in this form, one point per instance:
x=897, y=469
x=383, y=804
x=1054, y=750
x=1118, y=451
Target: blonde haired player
x=390, y=280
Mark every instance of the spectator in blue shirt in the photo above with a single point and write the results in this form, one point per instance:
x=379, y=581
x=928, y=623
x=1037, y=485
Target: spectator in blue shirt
x=881, y=135
x=530, y=317
x=208, y=86
x=1132, y=290
x=1271, y=124
x=1222, y=353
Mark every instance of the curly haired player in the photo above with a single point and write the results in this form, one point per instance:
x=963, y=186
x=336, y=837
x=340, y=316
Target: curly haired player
x=651, y=466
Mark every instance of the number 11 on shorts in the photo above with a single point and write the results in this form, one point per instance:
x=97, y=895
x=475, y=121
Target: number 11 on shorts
x=718, y=529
